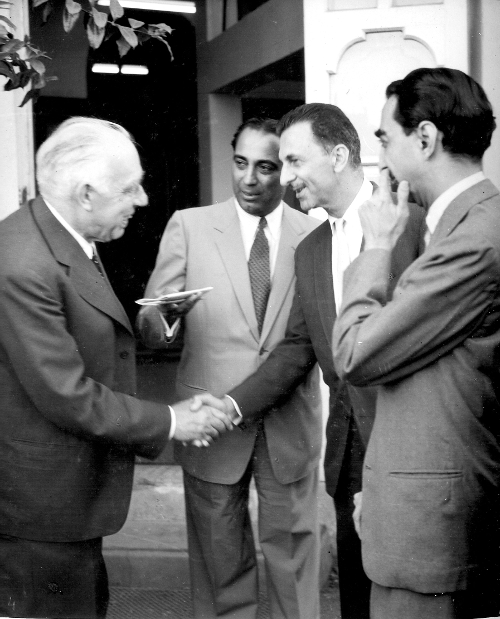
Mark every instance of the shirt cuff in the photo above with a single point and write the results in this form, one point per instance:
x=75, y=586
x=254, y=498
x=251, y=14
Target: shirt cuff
x=173, y=423
x=239, y=419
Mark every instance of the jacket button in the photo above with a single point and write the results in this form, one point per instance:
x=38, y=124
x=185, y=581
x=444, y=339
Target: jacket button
x=124, y=354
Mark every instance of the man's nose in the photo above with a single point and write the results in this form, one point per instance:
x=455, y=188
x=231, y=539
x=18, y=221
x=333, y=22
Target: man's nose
x=141, y=198
x=250, y=177
x=286, y=175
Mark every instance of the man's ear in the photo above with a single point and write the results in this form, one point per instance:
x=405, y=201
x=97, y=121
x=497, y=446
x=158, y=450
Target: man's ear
x=429, y=137
x=339, y=157
x=84, y=195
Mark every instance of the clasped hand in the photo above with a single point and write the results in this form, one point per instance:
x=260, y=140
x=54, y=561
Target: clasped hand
x=382, y=220
x=201, y=420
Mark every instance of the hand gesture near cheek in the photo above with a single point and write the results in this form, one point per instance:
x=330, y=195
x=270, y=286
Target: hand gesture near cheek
x=382, y=220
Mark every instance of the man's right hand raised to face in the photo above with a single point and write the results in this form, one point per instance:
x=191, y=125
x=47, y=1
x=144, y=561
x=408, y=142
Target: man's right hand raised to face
x=382, y=220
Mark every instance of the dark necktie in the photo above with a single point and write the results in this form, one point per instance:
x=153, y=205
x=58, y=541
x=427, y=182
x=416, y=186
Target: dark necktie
x=260, y=273
x=95, y=260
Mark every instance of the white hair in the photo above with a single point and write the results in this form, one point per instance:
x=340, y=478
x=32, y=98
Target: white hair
x=76, y=152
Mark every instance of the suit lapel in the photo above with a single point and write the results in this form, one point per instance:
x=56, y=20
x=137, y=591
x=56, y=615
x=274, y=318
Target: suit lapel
x=229, y=243
x=460, y=206
x=291, y=235
x=82, y=272
x=323, y=280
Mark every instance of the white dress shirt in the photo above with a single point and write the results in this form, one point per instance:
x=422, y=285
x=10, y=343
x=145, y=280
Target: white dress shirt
x=250, y=223
x=354, y=238
x=441, y=203
x=89, y=249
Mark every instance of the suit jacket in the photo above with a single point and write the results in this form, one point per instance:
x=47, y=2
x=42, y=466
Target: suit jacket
x=69, y=426
x=203, y=247
x=308, y=339
x=432, y=469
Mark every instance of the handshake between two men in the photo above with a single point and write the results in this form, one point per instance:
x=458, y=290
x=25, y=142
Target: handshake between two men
x=203, y=418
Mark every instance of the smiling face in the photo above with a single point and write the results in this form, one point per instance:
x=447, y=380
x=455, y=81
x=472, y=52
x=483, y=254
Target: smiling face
x=113, y=201
x=256, y=172
x=307, y=167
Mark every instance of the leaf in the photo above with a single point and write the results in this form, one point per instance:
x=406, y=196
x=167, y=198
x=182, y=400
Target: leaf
x=162, y=27
x=73, y=7
x=38, y=81
x=13, y=82
x=38, y=3
x=134, y=23
x=25, y=77
x=129, y=35
x=116, y=9
x=34, y=93
x=7, y=21
x=12, y=46
x=95, y=34
x=165, y=42
x=100, y=18
x=123, y=46
x=69, y=20
x=6, y=70
x=37, y=65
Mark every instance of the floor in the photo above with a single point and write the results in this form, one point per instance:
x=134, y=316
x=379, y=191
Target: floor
x=128, y=603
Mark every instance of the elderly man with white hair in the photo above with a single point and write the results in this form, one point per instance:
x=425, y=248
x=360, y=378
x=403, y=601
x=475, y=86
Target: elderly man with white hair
x=70, y=425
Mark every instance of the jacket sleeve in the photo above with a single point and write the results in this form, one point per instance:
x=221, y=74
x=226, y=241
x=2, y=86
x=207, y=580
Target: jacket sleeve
x=168, y=275
x=440, y=301
x=39, y=350
x=287, y=366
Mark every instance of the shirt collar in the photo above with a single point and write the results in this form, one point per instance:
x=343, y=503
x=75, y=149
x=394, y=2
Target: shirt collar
x=273, y=219
x=441, y=203
x=87, y=247
x=351, y=215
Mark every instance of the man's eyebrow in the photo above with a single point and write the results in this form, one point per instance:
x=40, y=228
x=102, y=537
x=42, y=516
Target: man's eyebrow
x=380, y=133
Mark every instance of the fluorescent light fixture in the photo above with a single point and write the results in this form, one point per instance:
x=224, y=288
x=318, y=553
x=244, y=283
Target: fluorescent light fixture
x=102, y=67
x=172, y=6
x=134, y=69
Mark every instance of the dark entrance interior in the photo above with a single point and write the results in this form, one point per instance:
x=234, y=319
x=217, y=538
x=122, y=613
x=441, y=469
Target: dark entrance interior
x=160, y=110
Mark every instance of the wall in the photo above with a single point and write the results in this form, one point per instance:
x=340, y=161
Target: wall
x=16, y=131
x=268, y=34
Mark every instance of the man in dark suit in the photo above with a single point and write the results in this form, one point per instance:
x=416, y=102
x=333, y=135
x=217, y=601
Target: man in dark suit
x=430, y=510
x=320, y=151
x=70, y=425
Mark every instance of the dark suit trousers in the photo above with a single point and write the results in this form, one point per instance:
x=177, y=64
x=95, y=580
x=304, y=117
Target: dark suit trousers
x=52, y=579
x=354, y=585
x=222, y=556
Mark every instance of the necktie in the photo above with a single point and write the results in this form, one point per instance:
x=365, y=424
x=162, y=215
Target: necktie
x=95, y=260
x=260, y=273
x=341, y=251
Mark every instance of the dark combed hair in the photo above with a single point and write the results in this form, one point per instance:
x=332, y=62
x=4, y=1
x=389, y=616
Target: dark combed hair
x=329, y=125
x=455, y=103
x=258, y=123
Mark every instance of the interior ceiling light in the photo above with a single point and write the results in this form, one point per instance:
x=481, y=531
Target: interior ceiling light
x=103, y=67
x=126, y=69
x=172, y=6
x=134, y=69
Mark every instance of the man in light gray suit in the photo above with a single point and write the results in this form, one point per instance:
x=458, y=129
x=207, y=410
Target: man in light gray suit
x=228, y=335
x=430, y=509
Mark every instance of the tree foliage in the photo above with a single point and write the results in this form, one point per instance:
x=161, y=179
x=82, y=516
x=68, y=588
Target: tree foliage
x=21, y=62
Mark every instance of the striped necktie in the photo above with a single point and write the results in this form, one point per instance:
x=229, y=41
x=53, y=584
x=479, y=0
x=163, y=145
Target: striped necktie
x=260, y=272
